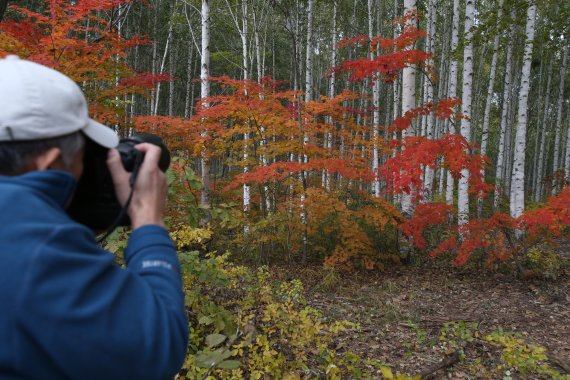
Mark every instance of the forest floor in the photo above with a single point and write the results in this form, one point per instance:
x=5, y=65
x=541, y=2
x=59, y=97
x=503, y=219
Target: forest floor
x=401, y=314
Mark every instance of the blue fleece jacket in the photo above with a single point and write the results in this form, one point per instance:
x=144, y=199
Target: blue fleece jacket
x=66, y=310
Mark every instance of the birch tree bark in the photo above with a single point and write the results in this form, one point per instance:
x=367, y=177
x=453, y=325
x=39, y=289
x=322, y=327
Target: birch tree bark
x=517, y=182
x=557, y=160
x=376, y=111
x=308, y=98
x=488, y=102
x=463, y=187
x=331, y=93
x=204, y=93
x=309, y=56
x=428, y=88
x=504, y=119
x=408, y=102
x=453, y=87
x=171, y=64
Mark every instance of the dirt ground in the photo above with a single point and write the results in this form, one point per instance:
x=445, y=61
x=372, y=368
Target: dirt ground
x=401, y=313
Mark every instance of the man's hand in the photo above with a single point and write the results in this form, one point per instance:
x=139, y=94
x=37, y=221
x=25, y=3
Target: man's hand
x=149, y=197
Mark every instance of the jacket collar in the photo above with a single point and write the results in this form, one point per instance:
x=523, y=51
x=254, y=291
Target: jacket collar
x=57, y=185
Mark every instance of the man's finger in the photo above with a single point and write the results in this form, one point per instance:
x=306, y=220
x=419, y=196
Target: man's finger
x=152, y=155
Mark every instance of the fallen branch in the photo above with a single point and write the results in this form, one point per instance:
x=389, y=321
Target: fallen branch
x=450, y=360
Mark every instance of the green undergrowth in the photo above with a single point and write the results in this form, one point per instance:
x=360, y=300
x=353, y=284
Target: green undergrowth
x=245, y=323
x=497, y=355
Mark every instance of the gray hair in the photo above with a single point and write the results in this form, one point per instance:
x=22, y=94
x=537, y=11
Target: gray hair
x=16, y=155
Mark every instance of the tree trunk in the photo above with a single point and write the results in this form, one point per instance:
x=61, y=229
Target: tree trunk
x=429, y=119
x=408, y=102
x=3, y=7
x=257, y=46
x=504, y=119
x=463, y=187
x=309, y=57
x=488, y=102
x=243, y=33
x=189, y=82
x=557, y=137
x=539, y=180
x=172, y=69
x=533, y=184
x=453, y=88
x=204, y=93
x=567, y=159
x=158, y=85
x=517, y=182
x=331, y=94
x=376, y=111
x=154, y=53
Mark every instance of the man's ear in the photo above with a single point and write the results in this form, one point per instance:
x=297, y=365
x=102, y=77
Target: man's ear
x=50, y=159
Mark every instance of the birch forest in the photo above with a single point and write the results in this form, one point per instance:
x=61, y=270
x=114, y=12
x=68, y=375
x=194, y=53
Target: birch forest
x=389, y=147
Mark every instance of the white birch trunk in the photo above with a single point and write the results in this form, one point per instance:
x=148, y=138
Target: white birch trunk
x=429, y=119
x=408, y=102
x=376, y=112
x=204, y=93
x=331, y=94
x=243, y=33
x=488, y=102
x=557, y=160
x=308, y=98
x=309, y=57
x=463, y=186
x=171, y=64
x=257, y=46
x=504, y=119
x=517, y=182
x=453, y=88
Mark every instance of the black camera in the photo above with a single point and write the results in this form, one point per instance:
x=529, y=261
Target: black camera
x=95, y=203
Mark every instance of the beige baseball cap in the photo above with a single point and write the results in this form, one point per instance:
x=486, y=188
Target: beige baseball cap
x=37, y=102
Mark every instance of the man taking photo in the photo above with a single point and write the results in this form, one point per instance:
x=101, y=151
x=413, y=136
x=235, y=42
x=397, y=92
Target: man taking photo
x=67, y=311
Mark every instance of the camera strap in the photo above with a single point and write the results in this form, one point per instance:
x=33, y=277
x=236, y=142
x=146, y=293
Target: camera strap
x=132, y=180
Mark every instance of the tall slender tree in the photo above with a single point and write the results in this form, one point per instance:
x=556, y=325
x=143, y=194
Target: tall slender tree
x=517, y=182
x=463, y=187
x=452, y=93
x=205, y=93
x=504, y=118
x=556, y=159
x=408, y=96
x=489, y=101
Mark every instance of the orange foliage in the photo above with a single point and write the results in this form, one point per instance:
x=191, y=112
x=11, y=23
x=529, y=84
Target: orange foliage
x=70, y=38
x=353, y=247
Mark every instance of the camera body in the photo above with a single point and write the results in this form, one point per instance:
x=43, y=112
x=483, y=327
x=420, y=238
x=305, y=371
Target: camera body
x=95, y=203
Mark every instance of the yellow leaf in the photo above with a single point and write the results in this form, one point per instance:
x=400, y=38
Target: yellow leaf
x=387, y=372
